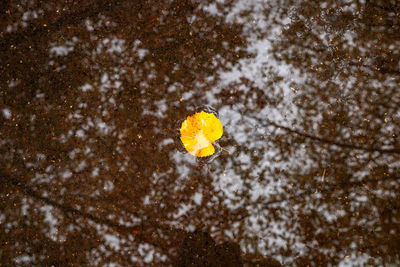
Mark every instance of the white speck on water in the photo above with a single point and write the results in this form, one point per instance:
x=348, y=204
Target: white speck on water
x=113, y=241
x=86, y=87
x=116, y=46
x=13, y=83
x=142, y=53
x=89, y=25
x=149, y=256
x=165, y=142
x=29, y=15
x=49, y=168
x=40, y=156
x=171, y=88
x=73, y=153
x=146, y=200
x=182, y=210
x=66, y=174
x=102, y=127
x=64, y=49
x=356, y=258
x=108, y=186
x=80, y=133
x=112, y=100
x=159, y=109
x=41, y=95
x=51, y=221
x=6, y=113
x=104, y=78
x=198, y=198
x=82, y=165
x=187, y=95
x=24, y=207
x=146, y=251
x=95, y=172
x=2, y=218
x=23, y=259
x=60, y=50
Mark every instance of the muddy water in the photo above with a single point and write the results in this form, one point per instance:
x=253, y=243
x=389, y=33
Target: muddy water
x=92, y=94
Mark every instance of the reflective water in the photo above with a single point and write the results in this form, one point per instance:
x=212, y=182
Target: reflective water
x=92, y=169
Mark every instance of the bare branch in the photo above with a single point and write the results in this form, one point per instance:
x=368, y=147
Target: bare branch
x=332, y=142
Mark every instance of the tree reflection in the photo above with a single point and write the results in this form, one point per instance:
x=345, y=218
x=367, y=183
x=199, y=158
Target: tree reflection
x=350, y=107
x=91, y=96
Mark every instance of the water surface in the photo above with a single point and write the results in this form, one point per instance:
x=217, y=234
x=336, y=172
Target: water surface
x=92, y=170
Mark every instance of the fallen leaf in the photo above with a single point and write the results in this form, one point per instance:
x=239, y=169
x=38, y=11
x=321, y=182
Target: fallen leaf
x=199, y=131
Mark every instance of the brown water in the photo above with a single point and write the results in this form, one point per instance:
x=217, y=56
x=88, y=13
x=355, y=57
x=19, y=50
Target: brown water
x=92, y=170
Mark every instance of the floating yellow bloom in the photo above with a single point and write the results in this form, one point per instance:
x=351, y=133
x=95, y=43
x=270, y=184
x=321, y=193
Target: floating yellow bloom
x=199, y=131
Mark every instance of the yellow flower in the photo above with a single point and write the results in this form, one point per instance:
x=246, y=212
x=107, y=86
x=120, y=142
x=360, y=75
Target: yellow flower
x=199, y=131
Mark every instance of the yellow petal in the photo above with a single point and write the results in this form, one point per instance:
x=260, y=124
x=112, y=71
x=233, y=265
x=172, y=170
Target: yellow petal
x=190, y=127
x=199, y=131
x=207, y=151
x=194, y=144
x=211, y=125
x=188, y=142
